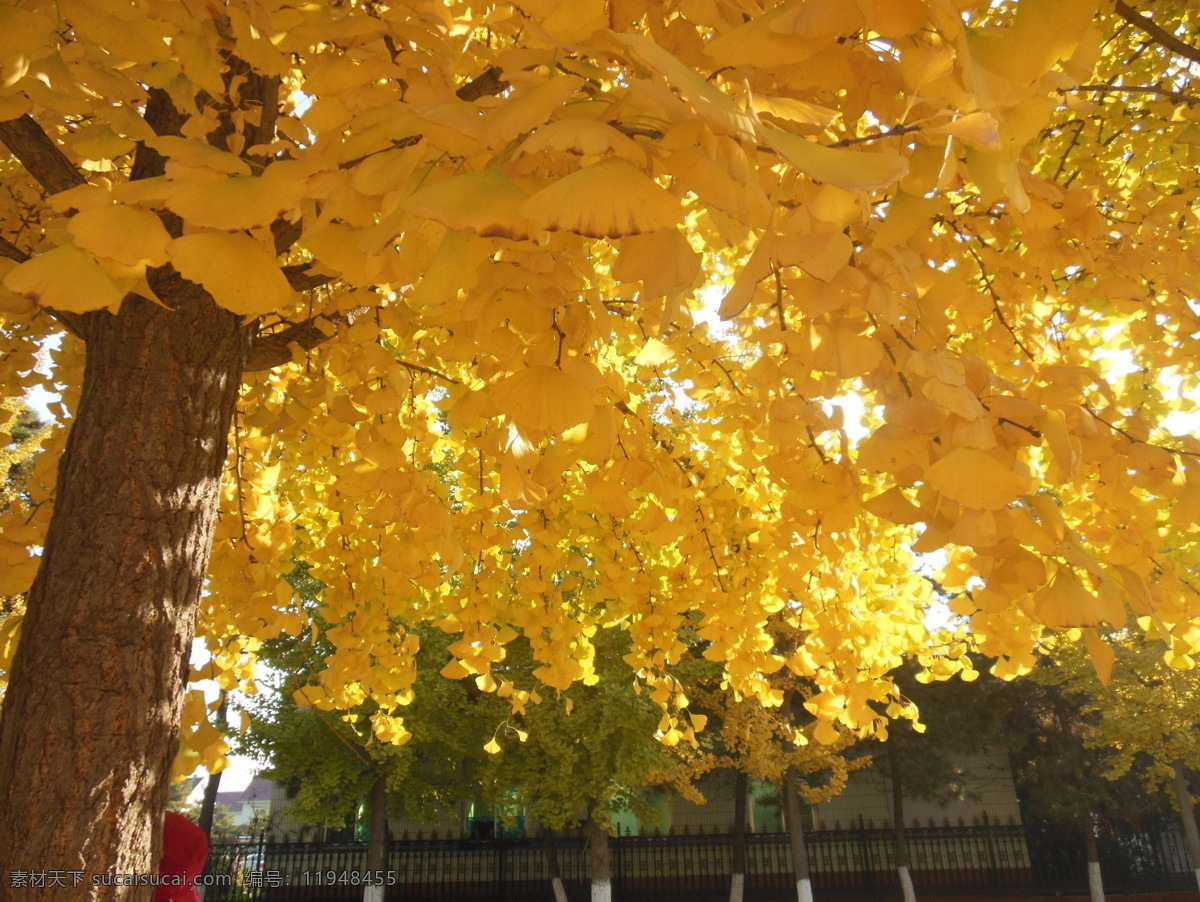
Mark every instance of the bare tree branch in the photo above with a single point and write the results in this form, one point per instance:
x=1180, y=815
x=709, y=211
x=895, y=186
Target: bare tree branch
x=275, y=348
x=894, y=132
x=272, y=349
x=40, y=156
x=1176, y=96
x=11, y=251
x=1156, y=31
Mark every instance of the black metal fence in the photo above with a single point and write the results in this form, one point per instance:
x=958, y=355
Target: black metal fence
x=844, y=864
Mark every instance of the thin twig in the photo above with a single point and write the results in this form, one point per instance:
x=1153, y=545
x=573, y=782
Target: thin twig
x=894, y=132
x=987, y=281
x=1156, y=31
x=1133, y=438
x=1177, y=96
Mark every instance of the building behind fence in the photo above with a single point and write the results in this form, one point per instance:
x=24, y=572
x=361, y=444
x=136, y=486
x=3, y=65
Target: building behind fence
x=845, y=863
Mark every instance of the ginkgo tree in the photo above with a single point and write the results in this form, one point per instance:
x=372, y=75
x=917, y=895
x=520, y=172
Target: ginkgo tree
x=306, y=255
x=1145, y=714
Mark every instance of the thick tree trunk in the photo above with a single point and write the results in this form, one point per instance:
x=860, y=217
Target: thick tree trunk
x=377, y=843
x=902, y=862
x=791, y=795
x=737, y=885
x=600, y=864
x=1187, y=817
x=91, y=718
x=1095, y=880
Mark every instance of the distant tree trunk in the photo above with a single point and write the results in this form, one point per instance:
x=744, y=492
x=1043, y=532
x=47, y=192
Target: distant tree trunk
x=737, y=885
x=91, y=718
x=1187, y=816
x=902, y=862
x=377, y=843
x=791, y=796
x=1095, y=880
x=599, y=861
x=560, y=892
x=208, y=807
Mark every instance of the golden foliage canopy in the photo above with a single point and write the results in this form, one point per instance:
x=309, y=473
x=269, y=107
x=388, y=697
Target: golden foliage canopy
x=562, y=306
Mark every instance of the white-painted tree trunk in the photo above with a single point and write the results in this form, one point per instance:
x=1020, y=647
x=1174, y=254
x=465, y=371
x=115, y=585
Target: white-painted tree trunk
x=804, y=890
x=599, y=863
x=737, y=889
x=1095, y=881
x=560, y=894
x=906, y=884
x=1187, y=817
x=373, y=893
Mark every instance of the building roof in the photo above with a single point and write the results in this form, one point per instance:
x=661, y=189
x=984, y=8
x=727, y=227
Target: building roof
x=257, y=790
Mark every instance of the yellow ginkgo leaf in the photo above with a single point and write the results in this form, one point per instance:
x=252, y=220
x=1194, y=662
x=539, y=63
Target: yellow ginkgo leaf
x=574, y=20
x=979, y=130
x=662, y=260
x=795, y=110
x=238, y=202
x=585, y=137
x=1066, y=603
x=975, y=479
x=99, y=142
x=893, y=18
x=654, y=353
x=234, y=269
x=27, y=36
x=607, y=200
x=197, y=154
x=123, y=30
x=130, y=235
x=850, y=169
x=894, y=505
x=486, y=203
x=544, y=398
x=1102, y=656
x=821, y=255
x=710, y=102
x=455, y=670
x=65, y=279
x=10, y=632
x=493, y=747
x=825, y=733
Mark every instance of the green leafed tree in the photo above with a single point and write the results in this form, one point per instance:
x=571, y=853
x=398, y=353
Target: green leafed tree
x=1144, y=713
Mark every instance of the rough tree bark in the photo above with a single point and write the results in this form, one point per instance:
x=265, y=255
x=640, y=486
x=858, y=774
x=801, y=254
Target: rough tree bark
x=91, y=720
x=91, y=717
